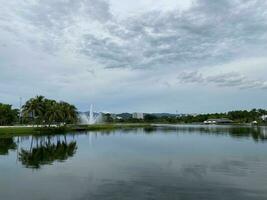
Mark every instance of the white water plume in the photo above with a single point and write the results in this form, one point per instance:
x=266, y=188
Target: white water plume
x=91, y=119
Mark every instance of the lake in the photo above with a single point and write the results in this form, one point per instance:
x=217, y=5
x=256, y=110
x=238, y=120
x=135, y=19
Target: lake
x=165, y=162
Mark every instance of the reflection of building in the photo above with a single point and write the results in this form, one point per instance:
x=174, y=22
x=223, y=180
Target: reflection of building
x=218, y=121
x=138, y=115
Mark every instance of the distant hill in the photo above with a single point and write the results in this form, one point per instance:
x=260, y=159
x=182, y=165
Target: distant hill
x=125, y=115
x=163, y=114
x=129, y=115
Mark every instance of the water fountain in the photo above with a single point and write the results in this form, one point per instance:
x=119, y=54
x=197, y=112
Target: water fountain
x=91, y=119
x=83, y=118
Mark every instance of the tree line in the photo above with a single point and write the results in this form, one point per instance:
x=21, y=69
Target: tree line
x=239, y=116
x=40, y=111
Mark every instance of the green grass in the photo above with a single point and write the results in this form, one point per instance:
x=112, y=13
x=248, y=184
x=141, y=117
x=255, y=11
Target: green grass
x=106, y=127
x=18, y=131
x=14, y=131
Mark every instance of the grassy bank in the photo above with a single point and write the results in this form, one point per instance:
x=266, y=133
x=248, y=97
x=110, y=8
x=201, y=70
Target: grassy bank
x=18, y=131
x=13, y=131
x=97, y=127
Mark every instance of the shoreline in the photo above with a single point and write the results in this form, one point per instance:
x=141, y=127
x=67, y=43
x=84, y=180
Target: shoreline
x=38, y=130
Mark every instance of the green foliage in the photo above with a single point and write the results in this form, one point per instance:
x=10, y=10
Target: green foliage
x=239, y=116
x=108, y=118
x=150, y=118
x=40, y=110
x=242, y=116
x=8, y=115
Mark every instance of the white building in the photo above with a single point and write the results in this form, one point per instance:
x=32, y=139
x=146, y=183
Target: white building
x=138, y=115
x=264, y=117
x=218, y=121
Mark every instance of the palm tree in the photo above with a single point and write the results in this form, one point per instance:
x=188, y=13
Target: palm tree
x=34, y=108
x=53, y=113
x=47, y=111
x=69, y=112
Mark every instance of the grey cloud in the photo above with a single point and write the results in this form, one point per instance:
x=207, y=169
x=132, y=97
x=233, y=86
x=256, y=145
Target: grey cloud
x=191, y=77
x=50, y=13
x=50, y=24
x=208, y=33
x=230, y=79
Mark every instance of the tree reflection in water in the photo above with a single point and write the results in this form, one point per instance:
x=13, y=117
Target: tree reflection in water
x=7, y=144
x=46, y=150
x=257, y=133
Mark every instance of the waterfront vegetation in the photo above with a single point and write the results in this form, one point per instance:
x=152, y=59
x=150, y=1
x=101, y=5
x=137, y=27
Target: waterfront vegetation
x=238, y=117
x=42, y=111
x=40, y=114
x=8, y=115
x=39, y=111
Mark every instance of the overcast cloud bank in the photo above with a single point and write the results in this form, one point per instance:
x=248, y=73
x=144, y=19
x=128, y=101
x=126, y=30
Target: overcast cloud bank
x=87, y=51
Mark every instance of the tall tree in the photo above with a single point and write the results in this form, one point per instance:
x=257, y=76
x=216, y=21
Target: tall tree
x=8, y=116
x=34, y=109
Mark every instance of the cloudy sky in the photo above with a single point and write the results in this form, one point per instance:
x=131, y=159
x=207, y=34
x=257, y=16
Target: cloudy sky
x=190, y=56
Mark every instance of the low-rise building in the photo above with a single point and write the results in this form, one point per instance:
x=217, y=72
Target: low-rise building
x=218, y=121
x=138, y=115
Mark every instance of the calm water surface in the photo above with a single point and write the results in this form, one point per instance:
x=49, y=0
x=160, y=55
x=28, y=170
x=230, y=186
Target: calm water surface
x=168, y=162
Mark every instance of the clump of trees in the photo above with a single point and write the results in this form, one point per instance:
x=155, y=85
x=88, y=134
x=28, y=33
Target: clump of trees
x=8, y=116
x=43, y=111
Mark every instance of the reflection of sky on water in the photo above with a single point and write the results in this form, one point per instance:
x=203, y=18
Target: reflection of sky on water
x=137, y=164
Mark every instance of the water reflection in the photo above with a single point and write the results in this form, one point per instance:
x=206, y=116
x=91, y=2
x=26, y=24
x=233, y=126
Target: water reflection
x=42, y=150
x=165, y=162
x=46, y=150
x=257, y=133
x=7, y=144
